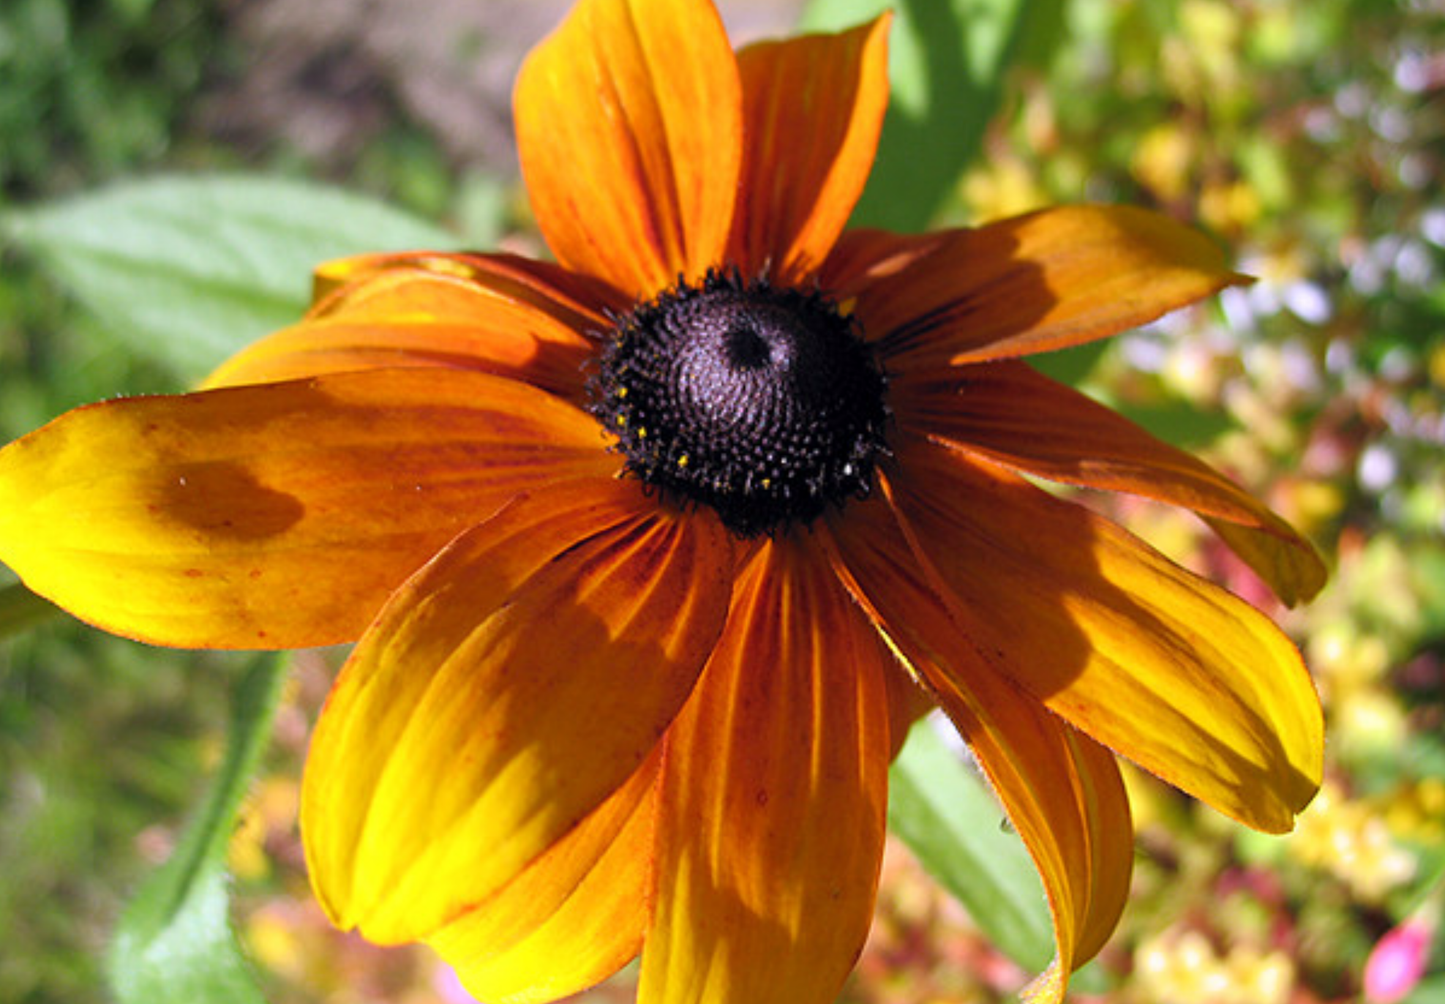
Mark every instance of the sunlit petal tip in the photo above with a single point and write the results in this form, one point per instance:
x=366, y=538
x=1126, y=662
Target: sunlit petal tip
x=1110, y=268
x=1048, y=987
x=1035, y=283
x=574, y=916
x=1287, y=562
x=635, y=184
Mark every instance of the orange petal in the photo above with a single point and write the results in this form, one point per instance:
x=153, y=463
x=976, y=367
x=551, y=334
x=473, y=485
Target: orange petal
x=1062, y=792
x=1044, y=281
x=1064, y=796
x=863, y=256
x=273, y=516
x=812, y=111
x=629, y=129
x=908, y=701
x=503, y=693
x=773, y=798
x=1171, y=671
x=574, y=917
x=1008, y=413
x=541, y=282
x=476, y=315
x=1066, y=800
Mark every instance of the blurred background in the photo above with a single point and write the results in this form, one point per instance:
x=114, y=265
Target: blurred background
x=1307, y=135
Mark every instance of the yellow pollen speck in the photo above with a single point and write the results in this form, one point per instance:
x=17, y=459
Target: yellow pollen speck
x=621, y=393
x=767, y=483
x=682, y=461
x=642, y=433
x=621, y=419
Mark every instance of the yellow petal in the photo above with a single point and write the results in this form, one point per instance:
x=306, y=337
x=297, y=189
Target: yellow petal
x=273, y=516
x=503, y=693
x=574, y=917
x=773, y=798
x=1159, y=665
x=479, y=315
x=1293, y=570
x=812, y=111
x=1045, y=281
x=1008, y=413
x=1062, y=792
x=629, y=129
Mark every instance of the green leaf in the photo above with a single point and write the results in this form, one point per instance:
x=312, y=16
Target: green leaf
x=1072, y=365
x=945, y=813
x=188, y=270
x=174, y=944
x=947, y=62
x=1045, y=25
x=1179, y=423
x=1427, y=573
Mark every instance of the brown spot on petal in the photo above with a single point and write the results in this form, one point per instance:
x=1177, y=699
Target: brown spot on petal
x=224, y=499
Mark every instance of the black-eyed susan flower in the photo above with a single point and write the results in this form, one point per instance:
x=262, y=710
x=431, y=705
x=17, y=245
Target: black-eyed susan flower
x=654, y=553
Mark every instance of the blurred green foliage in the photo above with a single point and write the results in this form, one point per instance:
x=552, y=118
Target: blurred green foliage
x=100, y=741
x=94, y=88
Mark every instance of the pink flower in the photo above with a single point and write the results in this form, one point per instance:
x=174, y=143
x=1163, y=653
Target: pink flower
x=1398, y=961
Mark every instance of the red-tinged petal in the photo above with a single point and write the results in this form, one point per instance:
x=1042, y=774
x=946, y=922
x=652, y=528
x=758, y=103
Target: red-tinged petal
x=629, y=129
x=1045, y=281
x=1159, y=665
x=273, y=516
x=773, y=798
x=574, y=917
x=475, y=316
x=503, y=693
x=1062, y=792
x=812, y=111
x=1010, y=414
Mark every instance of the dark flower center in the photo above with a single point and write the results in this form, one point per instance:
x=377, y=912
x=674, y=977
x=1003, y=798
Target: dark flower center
x=762, y=402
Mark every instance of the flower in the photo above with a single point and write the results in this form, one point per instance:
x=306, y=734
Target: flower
x=1399, y=959
x=654, y=553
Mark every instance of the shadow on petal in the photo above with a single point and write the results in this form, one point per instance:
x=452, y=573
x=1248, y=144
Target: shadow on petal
x=506, y=690
x=1154, y=662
